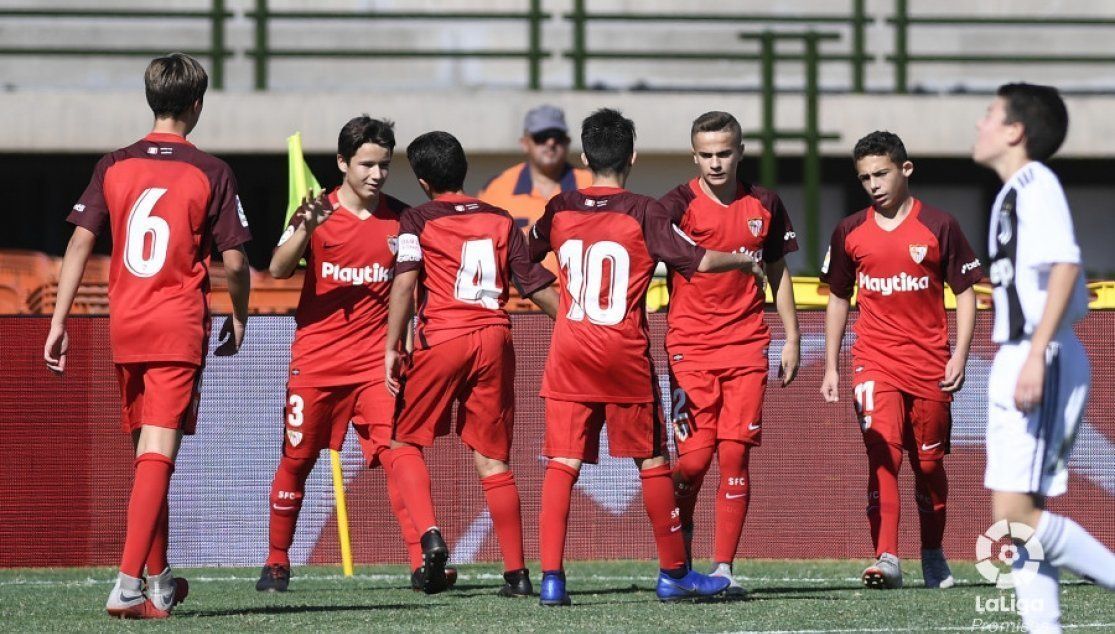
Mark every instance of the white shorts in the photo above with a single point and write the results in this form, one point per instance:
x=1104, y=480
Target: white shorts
x=1028, y=453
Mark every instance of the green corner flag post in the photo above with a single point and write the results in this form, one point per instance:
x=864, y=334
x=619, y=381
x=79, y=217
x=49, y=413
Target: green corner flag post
x=301, y=182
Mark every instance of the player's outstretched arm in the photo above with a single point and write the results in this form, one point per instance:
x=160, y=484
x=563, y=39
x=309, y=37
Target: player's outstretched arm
x=399, y=312
x=836, y=318
x=720, y=262
x=1028, y=390
x=965, y=327
x=782, y=287
x=239, y=278
x=292, y=247
x=73, y=268
x=547, y=300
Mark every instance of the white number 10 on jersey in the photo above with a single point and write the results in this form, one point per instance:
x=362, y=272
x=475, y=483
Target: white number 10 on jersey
x=585, y=269
x=140, y=225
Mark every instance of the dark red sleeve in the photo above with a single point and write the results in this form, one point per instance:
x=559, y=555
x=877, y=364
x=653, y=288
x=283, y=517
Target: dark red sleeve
x=539, y=244
x=91, y=210
x=409, y=257
x=676, y=202
x=781, y=238
x=667, y=243
x=529, y=276
x=960, y=267
x=838, y=269
x=227, y=219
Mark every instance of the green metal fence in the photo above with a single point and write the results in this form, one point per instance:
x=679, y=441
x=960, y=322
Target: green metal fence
x=216, y=52
x=582, y=18
x=904, y=22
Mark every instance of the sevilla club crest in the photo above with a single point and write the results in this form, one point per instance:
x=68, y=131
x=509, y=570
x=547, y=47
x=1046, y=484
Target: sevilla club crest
x=756, y=226
x=918, y=251
x=295, y=437
x=393, y=244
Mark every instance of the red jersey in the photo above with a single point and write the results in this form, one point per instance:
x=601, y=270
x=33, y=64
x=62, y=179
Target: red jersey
x=467, y=252
x=167, y=204
x=716, y=319
x=342, y=312
x=608, y=241
x=901, y=334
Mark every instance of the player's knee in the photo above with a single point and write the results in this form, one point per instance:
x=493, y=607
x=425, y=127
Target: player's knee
x=692, y=466
x=644, y=464
x=486, y=467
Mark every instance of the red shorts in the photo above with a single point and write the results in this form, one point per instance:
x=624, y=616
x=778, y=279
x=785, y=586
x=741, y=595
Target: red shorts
x=711, y=405
x=477, y=371
x=162, y=394
x=635, y=430
x=318, y=417
x=888, y=415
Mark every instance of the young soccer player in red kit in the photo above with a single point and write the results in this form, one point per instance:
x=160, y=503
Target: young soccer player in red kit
x=608, y=242
x=462, y=255
x=348, y=238
x=167, y=204
x=717, y=338
x=900, y=252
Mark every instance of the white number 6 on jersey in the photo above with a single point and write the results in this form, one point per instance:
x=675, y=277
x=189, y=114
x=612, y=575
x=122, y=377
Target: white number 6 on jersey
x=140, y=225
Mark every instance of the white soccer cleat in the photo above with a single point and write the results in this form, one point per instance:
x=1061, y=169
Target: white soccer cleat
x=166, y=591
x=884, y=574
x=127, y=599
x=935, y=570
x=735, y=590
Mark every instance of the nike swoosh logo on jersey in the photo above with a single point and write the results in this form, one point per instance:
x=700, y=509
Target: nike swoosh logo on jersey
x=729, y=496
x=754, y=427
x=925, y=447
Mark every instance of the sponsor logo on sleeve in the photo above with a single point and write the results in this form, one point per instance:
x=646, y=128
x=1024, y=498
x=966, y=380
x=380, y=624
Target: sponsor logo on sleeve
x=409, y=248
x=970, y=266
x=240, y=212
x=79, y=208
x=825, y=264
x=789, y=235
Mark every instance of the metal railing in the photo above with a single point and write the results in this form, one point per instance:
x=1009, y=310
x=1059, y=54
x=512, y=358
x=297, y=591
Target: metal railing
x=903, y=58
x=581, y=18
x=263, y=53
x=216, y=51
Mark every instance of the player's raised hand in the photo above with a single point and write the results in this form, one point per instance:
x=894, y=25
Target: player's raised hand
x=830, y=386
x=394, y=362
x=1028, y=390
x=57, y=345
x=791, y=359
x=954, y=375
x=315, y=211
x=231, y=337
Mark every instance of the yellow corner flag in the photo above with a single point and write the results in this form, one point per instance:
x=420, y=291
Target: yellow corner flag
x=300, y=179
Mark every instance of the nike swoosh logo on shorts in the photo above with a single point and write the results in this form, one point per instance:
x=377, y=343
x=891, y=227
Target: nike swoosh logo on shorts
x=729, y=496
x=925, y=447
x=754, y=427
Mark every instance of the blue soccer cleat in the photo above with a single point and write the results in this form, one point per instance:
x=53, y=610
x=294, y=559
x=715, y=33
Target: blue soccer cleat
x=693, y=585
x=553, y=589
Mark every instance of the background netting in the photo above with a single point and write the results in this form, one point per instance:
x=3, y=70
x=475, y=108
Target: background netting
x=66, y=467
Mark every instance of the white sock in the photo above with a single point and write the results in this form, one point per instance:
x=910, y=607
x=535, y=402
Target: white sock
x=1038, y=595
x=1068, y=545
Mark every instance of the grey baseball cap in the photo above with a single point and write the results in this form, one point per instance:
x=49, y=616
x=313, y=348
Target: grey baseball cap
x=545, y=117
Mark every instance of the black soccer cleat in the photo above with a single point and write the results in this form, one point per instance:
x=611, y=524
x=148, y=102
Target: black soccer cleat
x=516, y=583
x=434, y=555
x=273, y=578
x=416, y=578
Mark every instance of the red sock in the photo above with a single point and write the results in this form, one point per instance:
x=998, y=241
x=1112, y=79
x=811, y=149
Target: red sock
x=557, y=489
x=658, y=497
x=149, y=489
x=932, y=494
x=156, y=557
x=883, y=462
x=408, y=468
x=689, y=474
x=410, y=534
x=287, y=490
x=503, y=504
x=731, y=499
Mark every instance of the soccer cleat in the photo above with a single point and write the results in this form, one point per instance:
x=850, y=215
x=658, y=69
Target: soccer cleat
x=416, y=578
x=127, y=600
x=166, y=591
x=553, y=592
x=516, y=583
x=935, y=570
x=693, y=585
x=434, y=555
x=734, y=591
x=884, y=574
x=273, y=578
